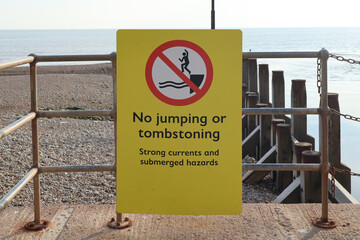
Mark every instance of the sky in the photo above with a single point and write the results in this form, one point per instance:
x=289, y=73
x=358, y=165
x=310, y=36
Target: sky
x=175, y=14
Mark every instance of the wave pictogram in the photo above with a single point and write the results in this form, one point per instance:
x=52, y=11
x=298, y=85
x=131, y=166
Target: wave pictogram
x=172, y=84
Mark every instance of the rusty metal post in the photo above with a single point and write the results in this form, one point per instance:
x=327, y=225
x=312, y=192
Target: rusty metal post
x=117, y=223
x=324, y=56
x=325, y=112
x=37, y=224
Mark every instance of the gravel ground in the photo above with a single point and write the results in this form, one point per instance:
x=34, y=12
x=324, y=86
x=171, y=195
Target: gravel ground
x=69, y=141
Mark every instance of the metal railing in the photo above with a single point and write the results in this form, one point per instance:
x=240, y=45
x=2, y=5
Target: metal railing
x=324, y=111
x=35, y=114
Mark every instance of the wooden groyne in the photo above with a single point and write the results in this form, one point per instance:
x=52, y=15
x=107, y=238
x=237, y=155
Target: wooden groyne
x=282, y=139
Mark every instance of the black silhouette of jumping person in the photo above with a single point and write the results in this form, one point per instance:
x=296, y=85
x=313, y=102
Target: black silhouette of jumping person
x=186, y=61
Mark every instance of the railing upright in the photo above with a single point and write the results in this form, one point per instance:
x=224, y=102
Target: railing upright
x=35, y=141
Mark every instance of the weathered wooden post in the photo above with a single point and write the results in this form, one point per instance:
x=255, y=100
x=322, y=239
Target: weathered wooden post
x=265, y=131
x=260, y=105
x=283, y=148
x=274, y=123
x=335, y=143
x=244, y=90
x=264, y=83
x=252, y=99
x=278, y=91
x=310, y=181
x=245, y=72
x=299, y=147
x=298, y=100
x=244, y=117
x=253, y=75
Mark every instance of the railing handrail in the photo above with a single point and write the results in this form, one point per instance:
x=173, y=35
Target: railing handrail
x=14, y=63
x=247, y=55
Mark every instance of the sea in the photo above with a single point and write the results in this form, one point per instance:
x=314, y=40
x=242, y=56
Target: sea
x=344, y=78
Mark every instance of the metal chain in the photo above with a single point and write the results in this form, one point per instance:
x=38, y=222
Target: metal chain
x=346, y=116
x=343, y=171
x=333, y=170
x=348, y=60
x=342, y=59
x=319, y=75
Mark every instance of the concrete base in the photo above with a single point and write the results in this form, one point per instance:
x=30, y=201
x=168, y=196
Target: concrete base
x=258, y=221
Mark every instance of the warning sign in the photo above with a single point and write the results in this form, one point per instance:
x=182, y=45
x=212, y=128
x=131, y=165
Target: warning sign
x=169, y=76
x=179, y=121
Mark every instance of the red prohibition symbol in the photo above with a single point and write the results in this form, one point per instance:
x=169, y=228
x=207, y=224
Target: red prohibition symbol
x=179, y=72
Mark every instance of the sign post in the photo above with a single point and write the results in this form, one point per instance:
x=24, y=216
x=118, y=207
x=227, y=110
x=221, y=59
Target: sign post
x=179, y=121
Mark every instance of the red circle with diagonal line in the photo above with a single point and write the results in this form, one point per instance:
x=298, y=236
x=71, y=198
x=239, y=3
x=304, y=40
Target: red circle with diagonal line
x=170, y=66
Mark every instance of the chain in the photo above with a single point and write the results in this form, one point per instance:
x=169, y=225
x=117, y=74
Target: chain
x=343, y=171
x=319, y=75
x=333, y=170
x=342, y=59
x=346, y=116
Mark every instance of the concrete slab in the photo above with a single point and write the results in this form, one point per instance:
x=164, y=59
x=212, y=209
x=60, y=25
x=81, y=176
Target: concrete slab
x=258, y=221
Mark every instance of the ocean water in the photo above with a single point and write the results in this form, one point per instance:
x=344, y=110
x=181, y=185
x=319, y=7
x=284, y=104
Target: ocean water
x=344, y=78
x=16, y=44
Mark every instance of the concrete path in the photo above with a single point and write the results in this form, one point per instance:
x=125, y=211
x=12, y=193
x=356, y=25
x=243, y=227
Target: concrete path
x=258, y=221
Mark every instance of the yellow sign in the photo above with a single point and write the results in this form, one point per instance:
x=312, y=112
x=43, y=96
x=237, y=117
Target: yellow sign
x=179, y=121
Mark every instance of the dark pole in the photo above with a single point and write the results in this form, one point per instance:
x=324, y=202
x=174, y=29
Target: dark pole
x=212, y=14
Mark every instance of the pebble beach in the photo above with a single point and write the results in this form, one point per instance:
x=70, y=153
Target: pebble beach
x=69, y=141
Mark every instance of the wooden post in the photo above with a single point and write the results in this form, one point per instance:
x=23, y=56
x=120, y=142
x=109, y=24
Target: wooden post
x=260, y=105
x=265, y=132
x=298, y=100
x=253, y=76
x=245, y=72
x=274, y=122
x=310, y=181
x=252, y=99
x=244, y=117
x=278, y=91
x=334, y=140
x=264, y=83
x=244, y=90
x=283, y=148
x=299, y=147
